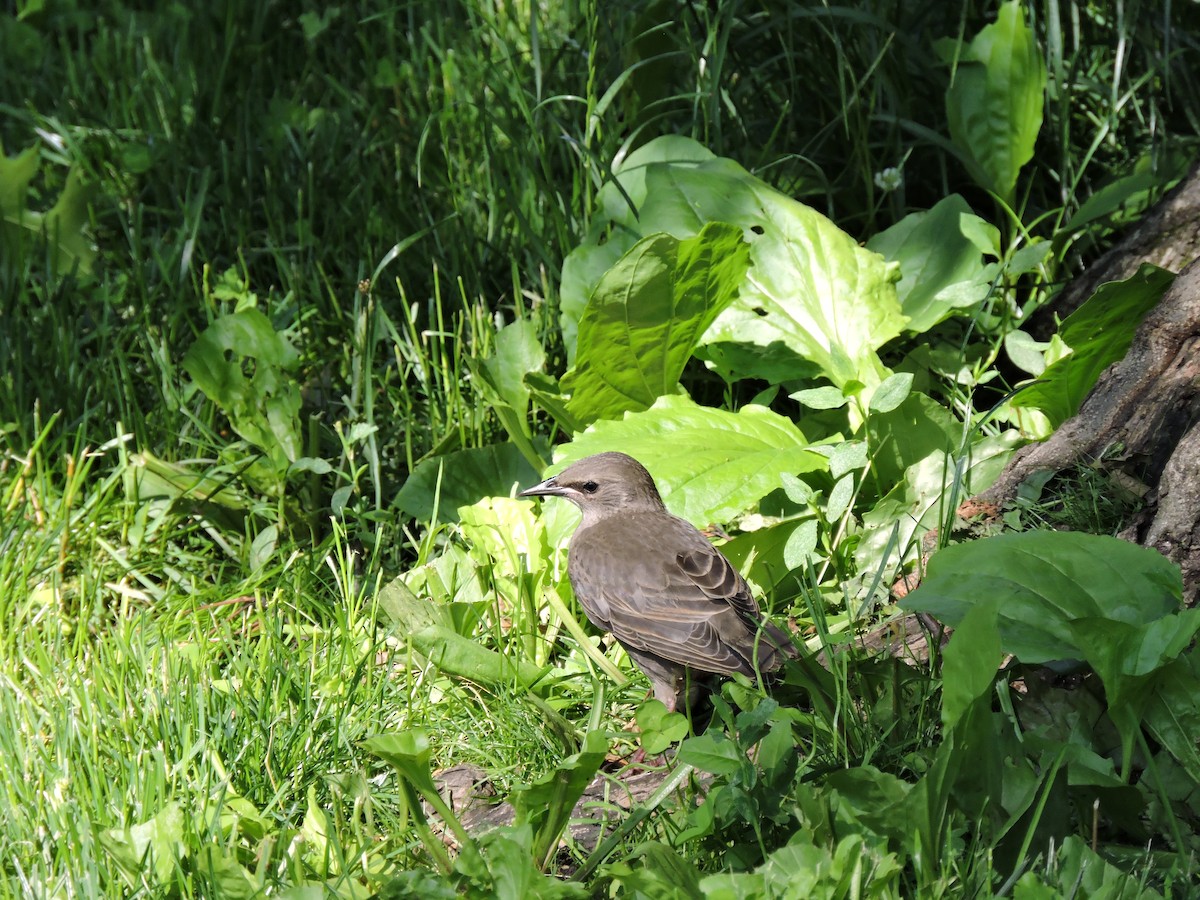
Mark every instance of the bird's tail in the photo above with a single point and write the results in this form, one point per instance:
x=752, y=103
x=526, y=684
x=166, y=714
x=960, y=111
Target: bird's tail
x=774, y=647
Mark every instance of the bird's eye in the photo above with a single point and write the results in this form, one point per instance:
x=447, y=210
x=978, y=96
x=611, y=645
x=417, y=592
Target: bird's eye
x=590, y=487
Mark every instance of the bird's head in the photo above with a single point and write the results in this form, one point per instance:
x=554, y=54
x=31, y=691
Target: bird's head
x=602, y=485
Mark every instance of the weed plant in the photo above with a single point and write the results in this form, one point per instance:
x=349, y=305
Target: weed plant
x=282, y=293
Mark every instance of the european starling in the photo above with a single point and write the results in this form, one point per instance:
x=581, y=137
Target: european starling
x=667, y=594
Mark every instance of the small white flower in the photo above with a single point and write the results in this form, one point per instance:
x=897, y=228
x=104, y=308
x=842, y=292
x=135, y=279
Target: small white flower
x=889, y=179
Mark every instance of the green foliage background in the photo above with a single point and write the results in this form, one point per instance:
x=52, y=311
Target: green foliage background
x=291, y=296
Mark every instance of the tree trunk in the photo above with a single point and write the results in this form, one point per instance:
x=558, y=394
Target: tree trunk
x=1143, y=416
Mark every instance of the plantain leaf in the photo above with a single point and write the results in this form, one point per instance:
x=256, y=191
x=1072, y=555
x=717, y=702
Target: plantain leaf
x=709, y=464
x=1098, y=334
x=813, y=301
x=647, y=315
x=1051, y=589
x=995, y=103
x=941, y=270
x=444, y=484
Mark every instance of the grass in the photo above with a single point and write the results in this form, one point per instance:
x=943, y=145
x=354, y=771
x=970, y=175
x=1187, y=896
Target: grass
x=194, y=649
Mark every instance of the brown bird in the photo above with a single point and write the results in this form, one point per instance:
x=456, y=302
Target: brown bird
x=668, y=595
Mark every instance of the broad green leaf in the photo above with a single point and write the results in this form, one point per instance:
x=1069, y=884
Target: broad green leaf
x=1099, y=333
x=615, y=228
x=457, y=655
x=517, y=353
x=801, y=869
x=544, y=391
x=63, y=225
x=712, y=752
x=150, y=478
x=1025, y=353
x=776, y=364
x=547, y=804
x=1079, y=871
x=1173, y=714
x=582, y=270
x=925, y=497
x=1027, y=258
x=936, y=261
x=709, y=464
x=223, y=875
x=848, y=456
x=891, y=393
x=411, y=884
x=769, y=556
x=16, y=172
x=407, y=611
x=970, y=662
x=1130, y=659
x=871, y=794
x=839, y=498
x=505, y=535
x=826, y=397
x=1048, y=585
x=981, y=233
x=466, y=476
x=994, y=105
x=646, y=316
x=904, y=436
x=659, y=728
x=451, y=580
x=502, y=381
x=799, y=492
x=264, y=408
x=810, y=286
x=314, y=831
x=611, y=203
x=814, y=302
x=801, y=544
x=409, y=753
x=151, y=851
x=508, y=869
x=664, y=873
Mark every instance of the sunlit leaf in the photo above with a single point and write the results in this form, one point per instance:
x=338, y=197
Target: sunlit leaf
x=151, y=850
x=547, y=803
x=264, y=408
x=814, y=301
x=892, y=392
x=1099, y=333
x=615, y=229
x=468, y=658
x=1049, y=585
x=810, y=286
x=995, y=103
x=932, y=488
x=712, y=752
x=646, y=316
x=936, y=259
x=709, y=464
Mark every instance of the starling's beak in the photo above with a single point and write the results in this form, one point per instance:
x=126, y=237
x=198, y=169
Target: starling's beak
x=548, y=488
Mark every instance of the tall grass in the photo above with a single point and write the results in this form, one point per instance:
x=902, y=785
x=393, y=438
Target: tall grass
x=388, y=185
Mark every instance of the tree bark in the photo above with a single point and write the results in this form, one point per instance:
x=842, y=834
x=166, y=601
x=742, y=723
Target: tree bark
x=1143, y=416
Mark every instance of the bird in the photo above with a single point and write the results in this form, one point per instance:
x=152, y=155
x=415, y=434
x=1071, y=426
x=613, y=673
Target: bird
x=680, y=609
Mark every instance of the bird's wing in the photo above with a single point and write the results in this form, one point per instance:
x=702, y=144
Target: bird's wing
x=661, y=588
x=717, y=579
